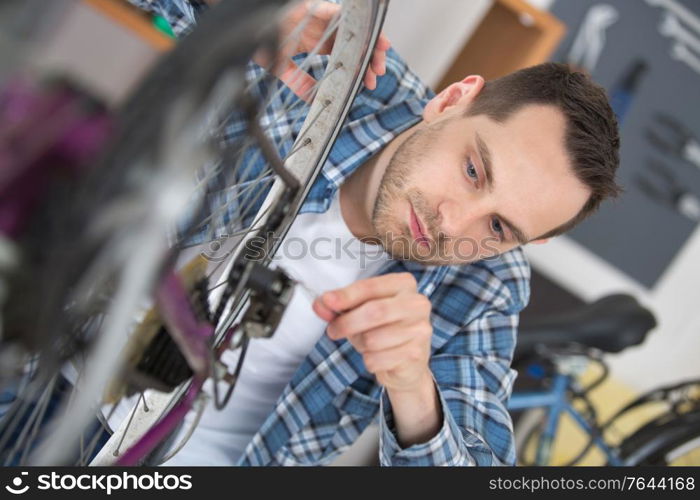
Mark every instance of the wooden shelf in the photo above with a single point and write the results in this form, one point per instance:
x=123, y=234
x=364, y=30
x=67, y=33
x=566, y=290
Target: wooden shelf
x=133, y=19
x=513, y=35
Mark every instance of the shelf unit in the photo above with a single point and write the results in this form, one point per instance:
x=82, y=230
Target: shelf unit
x=512, y=35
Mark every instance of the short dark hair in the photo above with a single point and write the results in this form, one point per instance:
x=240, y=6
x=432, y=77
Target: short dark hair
x=591, y=136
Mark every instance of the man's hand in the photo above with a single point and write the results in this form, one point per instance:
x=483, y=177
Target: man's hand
x=321, y=15
x=388, y=322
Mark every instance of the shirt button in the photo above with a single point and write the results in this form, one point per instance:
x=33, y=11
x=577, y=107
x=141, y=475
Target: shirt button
x=400, y=461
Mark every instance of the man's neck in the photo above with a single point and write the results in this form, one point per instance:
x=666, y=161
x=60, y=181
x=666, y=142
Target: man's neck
x=358, y=193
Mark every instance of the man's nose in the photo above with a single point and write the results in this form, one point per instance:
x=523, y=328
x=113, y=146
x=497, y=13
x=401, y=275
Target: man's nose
x=458, y=218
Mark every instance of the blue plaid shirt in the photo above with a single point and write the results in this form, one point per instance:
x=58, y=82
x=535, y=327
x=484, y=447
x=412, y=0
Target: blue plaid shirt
x=332, y=398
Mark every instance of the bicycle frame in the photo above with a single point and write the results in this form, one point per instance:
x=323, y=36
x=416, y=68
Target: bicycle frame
x=556, y=402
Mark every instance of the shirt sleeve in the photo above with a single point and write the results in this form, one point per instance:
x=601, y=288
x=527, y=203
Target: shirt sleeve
x=473, y=390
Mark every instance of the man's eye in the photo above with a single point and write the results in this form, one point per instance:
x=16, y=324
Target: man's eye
x=470, y=170
x=497, y=227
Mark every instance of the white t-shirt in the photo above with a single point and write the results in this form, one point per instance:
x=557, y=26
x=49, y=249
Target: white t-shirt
x=320, y=251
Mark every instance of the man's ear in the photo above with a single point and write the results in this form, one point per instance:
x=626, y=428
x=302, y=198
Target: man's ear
x=540, y=241
x=457, y=93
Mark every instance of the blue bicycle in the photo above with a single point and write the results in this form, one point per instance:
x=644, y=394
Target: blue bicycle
x=553, y=353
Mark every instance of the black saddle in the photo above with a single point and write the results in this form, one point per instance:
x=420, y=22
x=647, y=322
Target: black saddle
x=610, y=324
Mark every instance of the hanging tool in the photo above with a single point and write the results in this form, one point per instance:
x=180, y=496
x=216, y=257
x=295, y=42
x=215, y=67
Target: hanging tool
x=624, y=90
x=671, y=136
x=671, y=27
x=680, y=11
x=661, y=185
x=687, y=42
x=590, y=38
x=682, y=53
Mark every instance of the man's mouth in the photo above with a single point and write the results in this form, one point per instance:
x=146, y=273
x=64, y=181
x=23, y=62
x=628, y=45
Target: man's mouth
x=417, y=231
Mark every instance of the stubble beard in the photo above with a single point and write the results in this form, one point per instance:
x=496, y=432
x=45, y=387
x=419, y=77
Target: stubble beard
x=391, y=229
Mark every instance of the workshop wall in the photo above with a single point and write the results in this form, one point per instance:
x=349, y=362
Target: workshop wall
x=643, y=231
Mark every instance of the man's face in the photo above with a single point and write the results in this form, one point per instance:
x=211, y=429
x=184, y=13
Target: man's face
x=460, y=189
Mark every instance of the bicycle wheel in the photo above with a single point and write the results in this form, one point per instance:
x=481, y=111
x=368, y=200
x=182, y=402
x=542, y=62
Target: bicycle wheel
x=672, y=435
x=687, y=453
x=672, y=440
x=528, y=426
x=204, y=112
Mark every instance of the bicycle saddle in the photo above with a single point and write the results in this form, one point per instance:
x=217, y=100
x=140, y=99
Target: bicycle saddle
x=610, y=324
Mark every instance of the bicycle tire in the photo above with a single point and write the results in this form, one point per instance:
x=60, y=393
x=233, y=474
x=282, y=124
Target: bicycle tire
x=529, y=422
x=663, y=441
x=149, y=108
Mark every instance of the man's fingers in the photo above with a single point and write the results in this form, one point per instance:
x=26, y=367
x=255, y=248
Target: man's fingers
x=323, y=10
x=370, y=80
x=323, y=311
x=392, y=358
x=361, y=291
x=365, y=317
x=377, y=67
x=379, y=62
x=389, y=336
x=321, y=15
x=383, y=43
x=379, y=312
x=300, y=82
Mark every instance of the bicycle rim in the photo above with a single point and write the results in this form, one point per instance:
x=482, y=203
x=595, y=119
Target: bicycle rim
x=686, y=454
x=146, y=149
x=676, y=442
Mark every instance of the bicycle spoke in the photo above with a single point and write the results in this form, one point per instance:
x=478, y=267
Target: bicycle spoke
x=193, y=133
x=38, y=418
x=88, y=452
x=14, y=416
x=31, y=421
x=222, y=208
x=117, y=451
x=333, y=26
x=294, y=34
x=241, y=234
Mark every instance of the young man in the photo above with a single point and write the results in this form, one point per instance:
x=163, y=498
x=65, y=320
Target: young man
x=421, y=338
